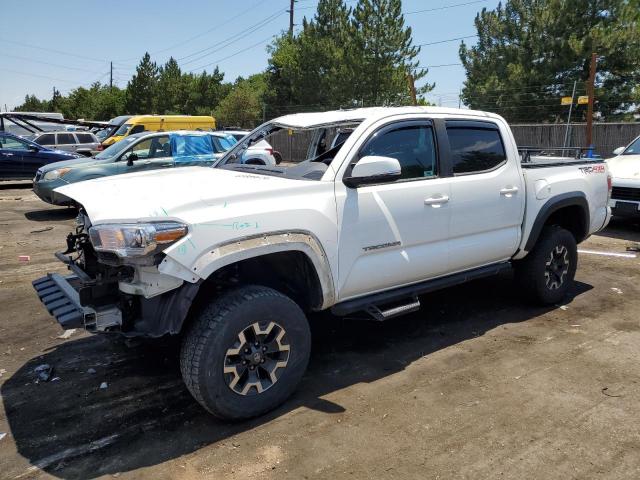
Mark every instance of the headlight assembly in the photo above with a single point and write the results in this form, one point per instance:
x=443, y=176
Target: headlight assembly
x=135, y=239
x=57, y=173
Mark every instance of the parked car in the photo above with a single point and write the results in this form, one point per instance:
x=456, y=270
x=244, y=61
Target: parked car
x=625, y=170
x=258, y=153
x=416, y=199
x=82, y=142
x=138, y=152
x=158, y=123
x=21, y=158
x=112, y=127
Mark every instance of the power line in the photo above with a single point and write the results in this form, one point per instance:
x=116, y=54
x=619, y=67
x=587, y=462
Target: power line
x=445, y=7
x=216, y=27
x=47, y=63
x=233, y=54
x=230, y=40
x=447, y=40
x=53, y=50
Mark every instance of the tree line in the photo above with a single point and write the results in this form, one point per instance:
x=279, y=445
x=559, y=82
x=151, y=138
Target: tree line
x=528, y=54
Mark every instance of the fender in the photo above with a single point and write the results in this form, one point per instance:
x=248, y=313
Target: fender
x=569, y=199
x=281, y=241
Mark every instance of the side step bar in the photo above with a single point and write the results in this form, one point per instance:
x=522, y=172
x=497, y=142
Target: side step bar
x=408, y=295
x=413, y=305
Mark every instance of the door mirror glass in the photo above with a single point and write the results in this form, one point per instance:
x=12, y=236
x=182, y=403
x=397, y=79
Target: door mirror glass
x=373, y=169
x=618, y=151
x=33, y=148
x=131, y=157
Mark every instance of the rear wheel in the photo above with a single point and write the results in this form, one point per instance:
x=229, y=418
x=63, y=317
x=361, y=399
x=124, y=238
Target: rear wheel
x=547, y=272
x=246, y=352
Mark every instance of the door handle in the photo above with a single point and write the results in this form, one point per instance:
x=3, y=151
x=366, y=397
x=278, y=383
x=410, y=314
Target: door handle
x=508, y=191
x=436, y=201
x=8, y=154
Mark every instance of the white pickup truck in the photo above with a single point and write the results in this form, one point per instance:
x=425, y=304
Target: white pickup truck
x=233, y=257
x=625, y=173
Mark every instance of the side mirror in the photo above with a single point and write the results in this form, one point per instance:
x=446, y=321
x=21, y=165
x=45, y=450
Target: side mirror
x=373, y=169
x=618, y=151
x=131, y=158
x=33, y=148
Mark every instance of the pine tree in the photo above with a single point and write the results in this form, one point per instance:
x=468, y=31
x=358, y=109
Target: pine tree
x=382, y=54
x=170, y=94
x=529, y=53
x=141, y=89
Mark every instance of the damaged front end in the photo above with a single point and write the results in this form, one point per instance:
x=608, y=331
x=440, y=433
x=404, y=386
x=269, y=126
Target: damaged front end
x=106, y=263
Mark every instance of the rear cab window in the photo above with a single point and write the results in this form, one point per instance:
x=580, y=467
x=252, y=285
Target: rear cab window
x=475, y=146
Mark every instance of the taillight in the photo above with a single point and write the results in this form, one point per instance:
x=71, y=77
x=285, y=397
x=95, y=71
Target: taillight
x=269, y=151
x=100, y=147
x=609, y=186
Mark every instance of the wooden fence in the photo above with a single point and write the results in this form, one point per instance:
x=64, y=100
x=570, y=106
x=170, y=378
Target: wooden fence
x=606, y=137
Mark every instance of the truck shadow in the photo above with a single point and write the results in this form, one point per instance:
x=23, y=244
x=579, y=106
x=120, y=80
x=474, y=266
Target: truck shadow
x=51, y=214
x=72, y=428
x=623, y=229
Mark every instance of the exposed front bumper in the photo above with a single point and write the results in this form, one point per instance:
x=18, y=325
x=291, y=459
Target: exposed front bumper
x=62, y=301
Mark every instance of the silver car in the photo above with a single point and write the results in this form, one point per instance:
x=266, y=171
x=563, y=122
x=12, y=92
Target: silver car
x=84, y=143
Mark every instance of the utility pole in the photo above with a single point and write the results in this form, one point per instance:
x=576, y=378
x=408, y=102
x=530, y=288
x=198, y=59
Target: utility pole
x=111, y=77
x=412, y=89
x=566, y=132
x=460, y=98
x=590, y=93
x=264, y=112
x=291, y=18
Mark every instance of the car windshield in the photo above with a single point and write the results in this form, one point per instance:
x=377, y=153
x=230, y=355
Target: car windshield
x=124, y=129
x=116, y=148
x=634, y=148
x=306, y=153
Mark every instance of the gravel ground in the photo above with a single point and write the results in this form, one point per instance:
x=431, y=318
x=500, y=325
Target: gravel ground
x=476, y=385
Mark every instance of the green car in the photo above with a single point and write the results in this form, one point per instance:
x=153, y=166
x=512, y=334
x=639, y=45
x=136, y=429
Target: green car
x=135, y=153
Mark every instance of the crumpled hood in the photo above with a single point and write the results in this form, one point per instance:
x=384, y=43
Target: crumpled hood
x=625, y=166
x=190, y=194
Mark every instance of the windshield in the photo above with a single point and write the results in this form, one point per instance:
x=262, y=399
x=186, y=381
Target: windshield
x=116, y=148
x=302, y=153
x=634, y=148
x=105, y=132
x=124, y=129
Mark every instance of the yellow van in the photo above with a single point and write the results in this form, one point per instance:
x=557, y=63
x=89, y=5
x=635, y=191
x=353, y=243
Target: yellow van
x=157, y=123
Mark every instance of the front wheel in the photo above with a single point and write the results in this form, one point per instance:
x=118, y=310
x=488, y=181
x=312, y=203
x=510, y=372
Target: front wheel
x=245, y=352
x=547, y=272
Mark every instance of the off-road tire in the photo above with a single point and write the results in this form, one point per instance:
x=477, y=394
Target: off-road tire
x=215, y=329
x=535, y=276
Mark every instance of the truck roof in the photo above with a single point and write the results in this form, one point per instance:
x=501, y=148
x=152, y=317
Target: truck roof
x=314, y=119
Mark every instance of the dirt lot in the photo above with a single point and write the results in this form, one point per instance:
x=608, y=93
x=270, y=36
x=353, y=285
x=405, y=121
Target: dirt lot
x=475, y=385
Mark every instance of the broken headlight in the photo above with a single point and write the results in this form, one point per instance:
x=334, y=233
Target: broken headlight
x=135, y=239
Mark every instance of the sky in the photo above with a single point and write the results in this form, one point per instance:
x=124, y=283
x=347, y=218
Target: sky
x=66, y=44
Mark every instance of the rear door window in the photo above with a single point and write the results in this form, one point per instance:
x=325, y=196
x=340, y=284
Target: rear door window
x=475, y=147
x=66, y=139
x=85, y=138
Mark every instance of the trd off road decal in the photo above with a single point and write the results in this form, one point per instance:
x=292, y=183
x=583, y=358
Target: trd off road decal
x=593, y=169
